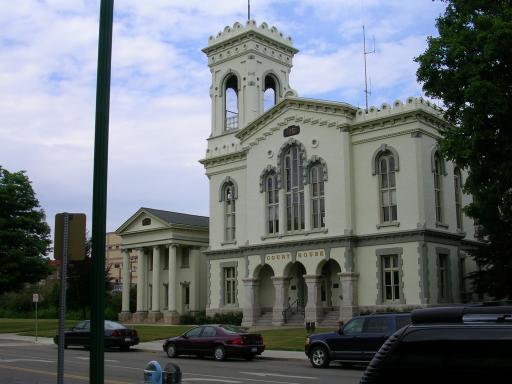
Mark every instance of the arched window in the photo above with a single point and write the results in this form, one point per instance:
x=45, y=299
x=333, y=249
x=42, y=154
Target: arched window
x=269, y=93
x=294, y=188
x=272, y=203
x=146, y=221
x=457, y=181
x=438, y=193
x=317, y=196
x=229, y=212
x=387, y=187
x=231, y=103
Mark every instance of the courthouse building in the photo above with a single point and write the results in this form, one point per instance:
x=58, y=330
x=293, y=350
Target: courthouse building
x=318, y=209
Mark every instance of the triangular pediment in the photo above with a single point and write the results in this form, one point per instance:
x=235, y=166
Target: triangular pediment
x=142, y=220
x=296, y=110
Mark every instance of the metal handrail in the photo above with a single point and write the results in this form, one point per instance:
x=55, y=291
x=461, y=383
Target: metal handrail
x=299, y=308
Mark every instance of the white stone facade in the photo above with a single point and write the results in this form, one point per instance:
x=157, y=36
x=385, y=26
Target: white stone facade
x=388, y=234
x=171, y=267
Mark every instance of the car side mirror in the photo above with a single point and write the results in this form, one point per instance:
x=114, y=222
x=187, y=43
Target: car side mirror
x=184, y=336
x=340, y=331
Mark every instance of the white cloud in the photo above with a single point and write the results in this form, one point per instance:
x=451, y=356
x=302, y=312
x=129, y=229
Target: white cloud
x=160, y=107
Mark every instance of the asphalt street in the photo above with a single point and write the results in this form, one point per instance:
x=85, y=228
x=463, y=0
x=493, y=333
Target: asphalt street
x=23, y=362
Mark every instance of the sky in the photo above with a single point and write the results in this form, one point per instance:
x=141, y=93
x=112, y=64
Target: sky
x=159, y=102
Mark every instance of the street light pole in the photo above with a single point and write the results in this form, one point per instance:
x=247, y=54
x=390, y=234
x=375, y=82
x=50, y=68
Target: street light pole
x=99, y=200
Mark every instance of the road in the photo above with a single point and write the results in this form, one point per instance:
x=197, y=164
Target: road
x=29, y=363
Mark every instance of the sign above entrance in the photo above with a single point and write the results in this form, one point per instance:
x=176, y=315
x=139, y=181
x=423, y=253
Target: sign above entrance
x=279, y=256
x=312, y=253
x=291, y=131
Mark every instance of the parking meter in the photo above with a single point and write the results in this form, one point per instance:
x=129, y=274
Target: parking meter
x=171, y=374
x=153, y=373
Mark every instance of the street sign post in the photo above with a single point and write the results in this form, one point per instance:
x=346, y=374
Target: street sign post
x=35, y=300
x=76, y=236
x=69, y=243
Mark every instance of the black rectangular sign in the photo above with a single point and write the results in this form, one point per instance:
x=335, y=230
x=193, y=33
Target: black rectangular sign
x=291, y=130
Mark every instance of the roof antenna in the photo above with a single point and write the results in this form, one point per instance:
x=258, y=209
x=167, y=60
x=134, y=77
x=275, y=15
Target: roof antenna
x=248, y=9
x=366, y=92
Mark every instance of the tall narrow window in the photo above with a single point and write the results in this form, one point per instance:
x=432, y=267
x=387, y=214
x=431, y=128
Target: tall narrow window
x=294, y=189
x=229, y=212
x=166, y=295
x=457, y=181
x=185, y=257
x=269, y=93
x=443, y=277
x=272, y=203
x=387, y=187
x=317, y=196
x=391, y=278
x=229, y=285
x=231, y=103
x=438, y=196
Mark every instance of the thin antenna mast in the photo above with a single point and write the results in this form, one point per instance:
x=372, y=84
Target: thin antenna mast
x=248, y=9
x=366, y=92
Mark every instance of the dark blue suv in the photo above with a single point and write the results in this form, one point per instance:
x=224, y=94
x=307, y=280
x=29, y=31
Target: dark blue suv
x=355, y=342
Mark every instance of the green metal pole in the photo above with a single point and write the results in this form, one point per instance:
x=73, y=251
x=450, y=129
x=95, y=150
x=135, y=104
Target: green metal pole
x=99, y=199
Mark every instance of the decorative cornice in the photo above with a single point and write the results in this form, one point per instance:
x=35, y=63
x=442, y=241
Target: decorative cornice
x=237, y=30
x=334, y=109
x=224, y=159
x=394, y=237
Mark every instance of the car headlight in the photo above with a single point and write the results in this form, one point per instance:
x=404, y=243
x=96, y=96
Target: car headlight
x=307, y=340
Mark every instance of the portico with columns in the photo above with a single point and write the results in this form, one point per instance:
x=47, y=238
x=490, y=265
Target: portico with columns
x=166, y=248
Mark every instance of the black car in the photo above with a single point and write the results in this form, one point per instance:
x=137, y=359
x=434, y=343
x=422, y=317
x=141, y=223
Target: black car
x=219, y=341
x=356, y=342
x=471, y=344
x=116, y=335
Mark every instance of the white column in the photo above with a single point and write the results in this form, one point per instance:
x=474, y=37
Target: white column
x=155, y=295
x=349, y=303
x=172, y=278
x=251, y=306
x=194, y=264
x=281, y=285
x=140, y=280
x=126, y=281
x=349, y=187
x=314, y=305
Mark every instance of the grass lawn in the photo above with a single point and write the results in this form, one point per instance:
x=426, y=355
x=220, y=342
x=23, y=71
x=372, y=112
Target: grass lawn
x=288, y=339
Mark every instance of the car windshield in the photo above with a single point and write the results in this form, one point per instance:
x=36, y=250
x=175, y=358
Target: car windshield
x=113, y=325
x=233, y=329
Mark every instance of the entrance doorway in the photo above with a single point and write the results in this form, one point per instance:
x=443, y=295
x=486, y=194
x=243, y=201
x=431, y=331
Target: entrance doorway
x=330, y=287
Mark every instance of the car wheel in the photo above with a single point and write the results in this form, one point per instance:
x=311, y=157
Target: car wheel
x=219, y=353
x=319, y=357
x=171, y=351
x=249, y=357
x=124, y=348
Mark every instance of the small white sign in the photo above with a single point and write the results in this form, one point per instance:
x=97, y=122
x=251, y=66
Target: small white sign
x=35, y=297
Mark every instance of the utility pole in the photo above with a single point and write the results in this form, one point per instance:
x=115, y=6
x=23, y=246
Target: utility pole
x=99, y=197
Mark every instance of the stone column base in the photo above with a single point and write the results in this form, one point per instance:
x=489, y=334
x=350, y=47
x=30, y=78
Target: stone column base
x=154, y=316
x=171, y=317
x=313, y=314
x=124, y=317
x=277, y=316
x=250, y=316
x=347, y=312
x=139, y=317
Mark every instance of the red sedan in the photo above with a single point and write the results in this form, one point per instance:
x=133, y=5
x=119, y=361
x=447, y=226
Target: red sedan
x=219, y=341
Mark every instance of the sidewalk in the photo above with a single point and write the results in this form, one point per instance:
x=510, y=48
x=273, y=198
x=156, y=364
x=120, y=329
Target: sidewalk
x=155, y=346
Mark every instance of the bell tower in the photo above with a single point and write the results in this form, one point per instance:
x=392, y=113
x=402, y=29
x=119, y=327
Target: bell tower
x=250, y=67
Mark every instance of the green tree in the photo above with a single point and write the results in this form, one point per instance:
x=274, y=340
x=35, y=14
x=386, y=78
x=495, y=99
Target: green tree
x=469, y=68
x=24, y=233
x=79, y=283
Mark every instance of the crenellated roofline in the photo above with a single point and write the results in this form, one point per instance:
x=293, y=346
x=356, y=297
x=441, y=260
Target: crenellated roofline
x=238, y=29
